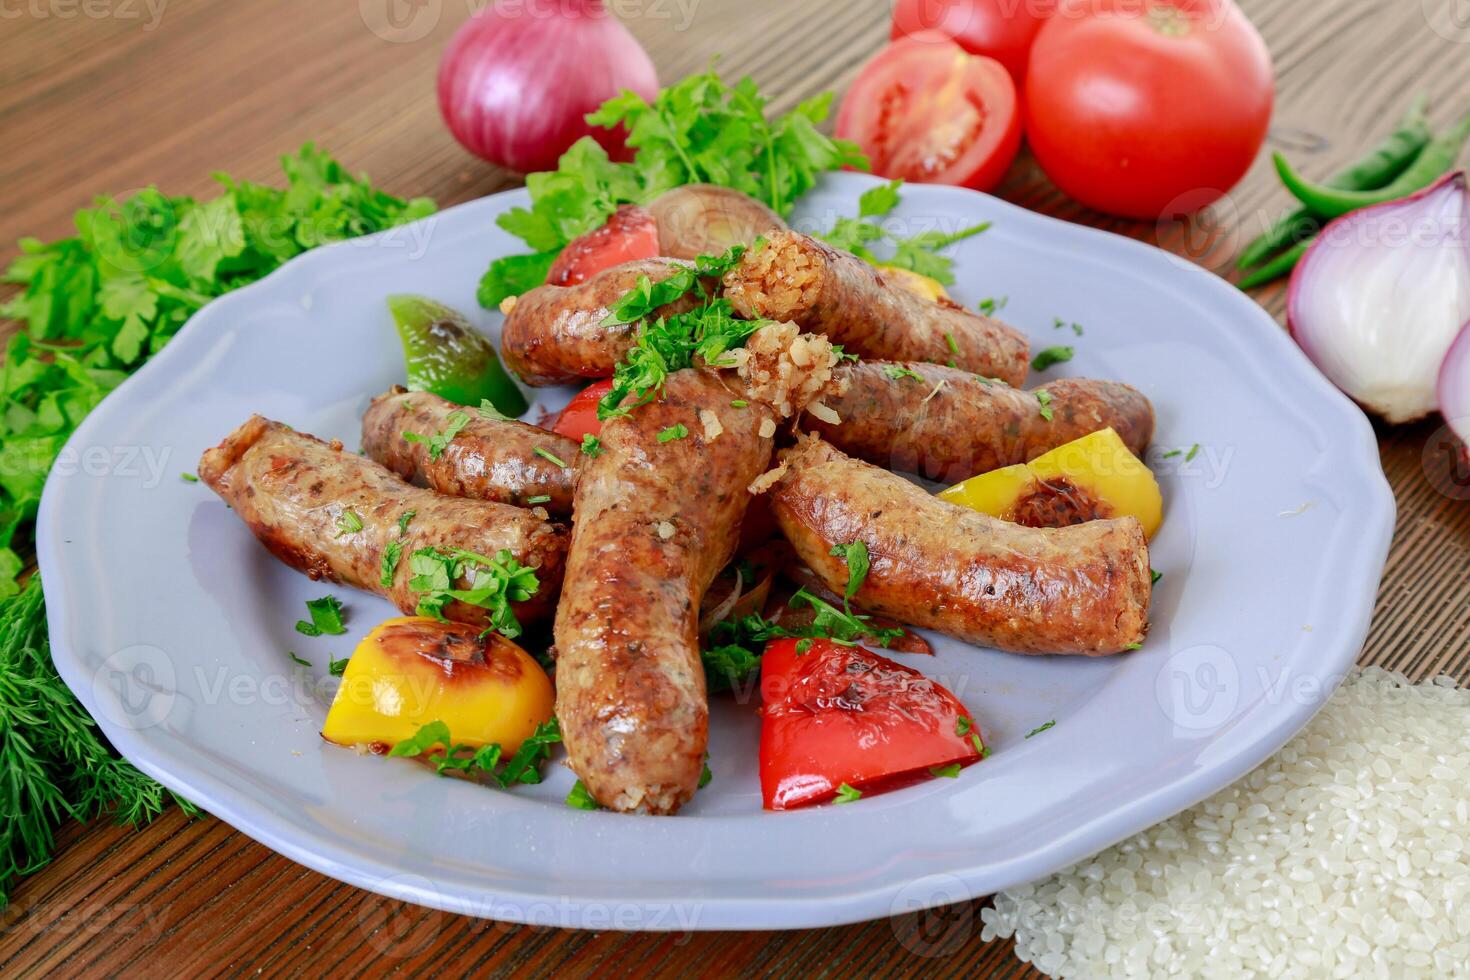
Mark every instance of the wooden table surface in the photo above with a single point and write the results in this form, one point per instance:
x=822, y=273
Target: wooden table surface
x=113, y=95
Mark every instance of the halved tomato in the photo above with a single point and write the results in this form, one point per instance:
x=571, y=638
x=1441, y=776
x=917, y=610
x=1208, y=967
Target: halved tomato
x=926, y=111
x=842, y=719
x=579, y=418
x=631, y=233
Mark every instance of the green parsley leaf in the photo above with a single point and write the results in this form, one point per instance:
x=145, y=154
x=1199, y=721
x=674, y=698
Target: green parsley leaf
x=951, y=771
x=551, y=457
x=962, y=726
x=1193, y=452
x=949, y=342
x=706, y=776
x=538, y=499
x=1172, y=453
x=489, y=411
x=408, y=515
x=525, y=765
x=188, y=478
x=847, y=794
x=897, y=372
x=804, y=646
x=677, y=431
x=991, y=306
x=729, y=667
x=580, y=799
x=326, y=618
x=739, y=403
x=493, y=584
x=392, y=552
x=856, y=557
x=438, y=442
x=1050, y=356
x=1038, y=731
x=297, y=660
x=1156, y=576
x=1133, y=646
x=592, y=446
x=878, y=202
x=1044, y=399
x=348, y=522
x=337, y=667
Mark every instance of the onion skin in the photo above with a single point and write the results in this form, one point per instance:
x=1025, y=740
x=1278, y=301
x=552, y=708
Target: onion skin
x=1453, y=386
x=1380, y=297
x=520, y=76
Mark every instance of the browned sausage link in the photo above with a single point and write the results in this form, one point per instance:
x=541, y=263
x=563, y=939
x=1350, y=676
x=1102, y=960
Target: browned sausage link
x=823, y=290
x=655, y=523
x=489, y=459
x=706, y=219
x=292, y=490
x=554, y=334
x=948, y=424
x=1082, y=589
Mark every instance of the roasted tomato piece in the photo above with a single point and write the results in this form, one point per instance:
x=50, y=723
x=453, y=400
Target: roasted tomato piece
x=631, y=233
x=844, y=718
x=579, y=418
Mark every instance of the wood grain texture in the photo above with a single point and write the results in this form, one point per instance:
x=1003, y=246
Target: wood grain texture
x=117, y=99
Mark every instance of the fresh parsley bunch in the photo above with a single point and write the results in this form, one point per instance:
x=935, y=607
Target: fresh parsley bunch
x=93, y=308
x=700, y=130
x=918, y=253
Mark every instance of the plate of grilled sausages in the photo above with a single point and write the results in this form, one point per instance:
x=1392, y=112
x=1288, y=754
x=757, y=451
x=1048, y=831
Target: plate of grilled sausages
x=992, y=620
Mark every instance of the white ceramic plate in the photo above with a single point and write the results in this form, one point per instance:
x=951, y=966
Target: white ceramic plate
x=173, y=625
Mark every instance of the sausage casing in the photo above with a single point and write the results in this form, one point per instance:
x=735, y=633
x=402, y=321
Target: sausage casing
x=489, y=458
x=293, y=491
x=947, y=424
x=555, y=335
x=1083, y=589
x=655, y=522
x=823, y=290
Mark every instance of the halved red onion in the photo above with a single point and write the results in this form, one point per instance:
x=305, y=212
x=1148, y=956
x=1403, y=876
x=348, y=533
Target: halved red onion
x=1382, y=294
x=1454, y=386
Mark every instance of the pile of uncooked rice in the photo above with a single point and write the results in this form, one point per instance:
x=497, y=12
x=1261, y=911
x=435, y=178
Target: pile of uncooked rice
x=1345, y=855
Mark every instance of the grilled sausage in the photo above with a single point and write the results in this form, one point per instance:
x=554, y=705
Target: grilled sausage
x=1083, y=589
x=824, y=290
x=554, y=334
x=947, y=424
x=706, y=219
x=293, y=489
x=656, y=521
x=489, y=459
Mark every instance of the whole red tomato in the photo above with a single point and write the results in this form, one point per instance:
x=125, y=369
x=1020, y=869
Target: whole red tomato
x=1148, y=108
x=999, y=29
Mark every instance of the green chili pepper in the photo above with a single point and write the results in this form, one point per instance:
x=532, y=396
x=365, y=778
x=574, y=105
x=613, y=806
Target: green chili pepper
x=1327, y=202
x=1279, y=266
x=1371, y=171
x=447, y=356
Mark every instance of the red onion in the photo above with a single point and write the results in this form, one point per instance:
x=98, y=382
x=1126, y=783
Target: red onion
x=1380, y=297
x=519, y=77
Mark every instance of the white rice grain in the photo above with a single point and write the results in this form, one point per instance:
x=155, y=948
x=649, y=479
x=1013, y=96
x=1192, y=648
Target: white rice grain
x=1347, y=854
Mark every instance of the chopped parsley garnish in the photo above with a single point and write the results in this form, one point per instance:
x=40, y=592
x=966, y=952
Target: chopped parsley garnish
x=739, y=403
x=408, y=515
x=1133, y=646
x=1044, y=399
x=1050, y=356
x=539, y=499
x=392, y=552
x=326, y=618
x=1193, y=452
x=847, y=794
x=954, y=348
x=337, y=667
x=855, y=555
x=188, y=478
x=298, y=660
x=706, y=775
x=676, y=431
x=438, y=442
x=580, y=799
x=592, y=446
x=991, y=305
x=348, y=522
x=494, y=583
x=523, y=767
x=489, y=411
x=980, y=746
x=1172, y=453
x=951, y=771
x=918, y=253
x=804, y=646
x=897, y=372
x=1059, y=324
x=1156, y=575
x=728, y=667
x=551, y=457
x=962, y=725
x=1038, y=731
